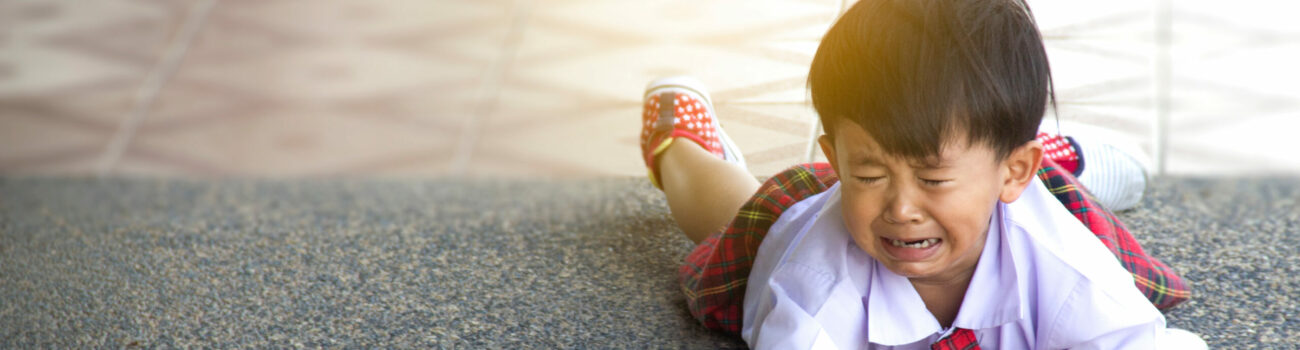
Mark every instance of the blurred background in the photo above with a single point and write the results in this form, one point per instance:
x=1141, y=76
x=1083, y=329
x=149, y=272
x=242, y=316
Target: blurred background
x=293, y=88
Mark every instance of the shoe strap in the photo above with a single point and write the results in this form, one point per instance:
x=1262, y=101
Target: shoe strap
x=667, y=112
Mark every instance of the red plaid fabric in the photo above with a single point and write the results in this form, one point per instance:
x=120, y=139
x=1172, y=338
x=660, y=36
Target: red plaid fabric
x=960, y=339
x=1161, y=285
x=715, y=273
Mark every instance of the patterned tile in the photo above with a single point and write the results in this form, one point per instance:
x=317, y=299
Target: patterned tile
x=345, y=88
x=744, y=51
x=562, y=148
x=552, y=88
x=1101, y=56
x=68, y=74
x=773, y=136
x=288, y=141
x=579, y=73
x=34, y=145
x=1235, y=100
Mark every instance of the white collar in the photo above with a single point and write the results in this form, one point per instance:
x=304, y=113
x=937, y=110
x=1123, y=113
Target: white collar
x=900, y=316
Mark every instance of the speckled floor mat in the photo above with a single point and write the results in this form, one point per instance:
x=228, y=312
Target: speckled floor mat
x=487, y=264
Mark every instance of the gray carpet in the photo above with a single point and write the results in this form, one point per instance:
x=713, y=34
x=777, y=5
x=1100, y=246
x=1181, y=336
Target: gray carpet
x=487, y=264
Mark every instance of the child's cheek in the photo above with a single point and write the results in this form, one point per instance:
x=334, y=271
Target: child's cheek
x=858, y=218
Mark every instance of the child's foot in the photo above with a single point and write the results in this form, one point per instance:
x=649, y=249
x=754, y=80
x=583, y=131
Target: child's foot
x=1117, y=179
x=679, y=108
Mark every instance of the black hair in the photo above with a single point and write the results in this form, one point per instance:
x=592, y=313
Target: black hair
x=913, y=72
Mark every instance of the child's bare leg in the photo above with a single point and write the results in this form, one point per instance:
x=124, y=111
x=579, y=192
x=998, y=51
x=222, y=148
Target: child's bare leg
x=704, y=192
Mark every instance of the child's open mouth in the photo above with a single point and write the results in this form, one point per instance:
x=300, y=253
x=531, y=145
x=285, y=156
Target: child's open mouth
x=914, y=250
x=924, y=243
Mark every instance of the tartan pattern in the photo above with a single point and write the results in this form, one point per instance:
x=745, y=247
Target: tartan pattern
x=1161, y=285
x=960, y=339
x=714, y=275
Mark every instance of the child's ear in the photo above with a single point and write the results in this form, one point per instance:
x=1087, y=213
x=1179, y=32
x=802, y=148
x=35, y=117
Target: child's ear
x=1019, y=170
x=828, y=149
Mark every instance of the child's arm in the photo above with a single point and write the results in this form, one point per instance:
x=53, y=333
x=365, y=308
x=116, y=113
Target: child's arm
x=1104, y=315
x=803, y=307
x=783, y=324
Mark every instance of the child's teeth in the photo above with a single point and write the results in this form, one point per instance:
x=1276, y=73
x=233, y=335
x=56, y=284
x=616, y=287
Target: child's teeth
x=921, y=244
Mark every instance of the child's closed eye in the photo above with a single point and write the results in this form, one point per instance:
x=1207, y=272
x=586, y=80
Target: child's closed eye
x=868, y=179
x=933, y=182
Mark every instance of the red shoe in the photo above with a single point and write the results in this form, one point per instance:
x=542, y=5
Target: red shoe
x=689, y=115
x=1062, y=150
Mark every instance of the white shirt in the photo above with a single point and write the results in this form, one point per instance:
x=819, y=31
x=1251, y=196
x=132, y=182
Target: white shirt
x=1043, y=281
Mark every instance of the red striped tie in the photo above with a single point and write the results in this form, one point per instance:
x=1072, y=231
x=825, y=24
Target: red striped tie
x=960, y=339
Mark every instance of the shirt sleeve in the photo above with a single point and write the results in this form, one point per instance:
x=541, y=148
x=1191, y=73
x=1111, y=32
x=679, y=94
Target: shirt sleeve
x=785, y=314
x=789, y=326
x=1135, y=337
x=1105, y=318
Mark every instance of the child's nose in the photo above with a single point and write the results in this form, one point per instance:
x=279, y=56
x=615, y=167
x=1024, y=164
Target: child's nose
x=901, y=207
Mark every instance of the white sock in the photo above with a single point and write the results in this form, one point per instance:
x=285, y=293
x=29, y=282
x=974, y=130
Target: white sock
x=1116, y=178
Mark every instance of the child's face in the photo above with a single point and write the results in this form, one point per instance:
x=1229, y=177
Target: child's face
x=926, y=222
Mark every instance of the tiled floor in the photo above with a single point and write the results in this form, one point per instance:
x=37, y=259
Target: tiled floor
x=551, y=88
